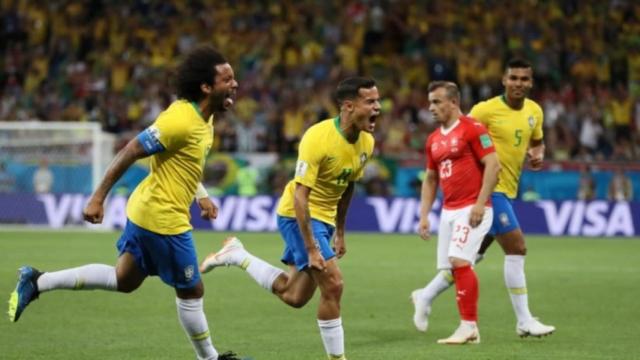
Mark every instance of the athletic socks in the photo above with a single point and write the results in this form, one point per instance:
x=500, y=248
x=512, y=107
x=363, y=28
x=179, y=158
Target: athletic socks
x=516, y=283
x=87, y=277
x=261, y=271
x=195, y=325
x=466, y=293
x=441, y=282
x=332, y=335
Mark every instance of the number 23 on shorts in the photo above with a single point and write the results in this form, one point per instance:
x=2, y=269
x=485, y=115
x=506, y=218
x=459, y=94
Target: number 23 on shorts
x=461, y=235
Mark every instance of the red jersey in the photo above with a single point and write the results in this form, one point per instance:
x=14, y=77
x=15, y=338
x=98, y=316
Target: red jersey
x=455, y=154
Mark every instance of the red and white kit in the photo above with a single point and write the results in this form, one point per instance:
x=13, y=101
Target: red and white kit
x=455, y=154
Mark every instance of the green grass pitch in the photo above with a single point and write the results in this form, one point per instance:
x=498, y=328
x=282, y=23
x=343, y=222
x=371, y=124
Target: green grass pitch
x=588, y=288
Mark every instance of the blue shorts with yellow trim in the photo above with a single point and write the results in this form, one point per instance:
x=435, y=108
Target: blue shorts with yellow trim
x=295, y=252
x=172, y=257
x=504, y=218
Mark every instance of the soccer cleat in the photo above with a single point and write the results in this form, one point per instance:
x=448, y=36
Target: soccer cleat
x=228, y=255
x=533, y=327
x=464, y=334
x=229, y=355
x=421, y=312
x=26, y=291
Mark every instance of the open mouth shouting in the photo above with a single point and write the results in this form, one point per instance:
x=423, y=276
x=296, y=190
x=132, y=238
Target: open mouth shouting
x=229, y=100
x=371, y=123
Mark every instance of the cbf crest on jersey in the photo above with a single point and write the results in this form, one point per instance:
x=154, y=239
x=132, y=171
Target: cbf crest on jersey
x=532, y=121
x=363, y=158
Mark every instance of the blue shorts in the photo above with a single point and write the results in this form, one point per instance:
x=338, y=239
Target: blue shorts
x=295, y=252
x=172, y=257
x=504, y=219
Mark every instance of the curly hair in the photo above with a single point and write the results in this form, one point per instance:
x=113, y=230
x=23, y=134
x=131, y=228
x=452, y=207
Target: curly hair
x=198, y=67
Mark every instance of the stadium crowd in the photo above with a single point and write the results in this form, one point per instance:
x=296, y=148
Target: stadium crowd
x=111, y=63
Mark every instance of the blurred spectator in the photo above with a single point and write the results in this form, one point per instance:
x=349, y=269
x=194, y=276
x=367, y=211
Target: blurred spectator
x=249, y=133
x=279, y=177
x=590, y=132
x=7, y=180
x=111, y=63
x=620, y=187
x=43, y=178
x=586, y=186
x=376, y=179
x=621, y=113
x=247, y=178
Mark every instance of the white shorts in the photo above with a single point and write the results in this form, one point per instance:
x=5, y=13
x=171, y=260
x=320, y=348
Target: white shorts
x=456, y=238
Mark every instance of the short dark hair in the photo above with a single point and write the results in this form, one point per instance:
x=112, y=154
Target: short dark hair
x=518, y=63
x=198, y=67
x=450, y=87
x=349, y=88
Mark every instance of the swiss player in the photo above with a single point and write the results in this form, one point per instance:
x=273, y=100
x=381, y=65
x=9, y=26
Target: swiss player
x=514, y=123
x=461, y=159
x=313, y=208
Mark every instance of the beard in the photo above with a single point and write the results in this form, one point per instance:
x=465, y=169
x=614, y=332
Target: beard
x=217, y=102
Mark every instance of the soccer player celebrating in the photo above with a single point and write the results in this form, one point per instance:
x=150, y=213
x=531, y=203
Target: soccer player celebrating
x=462, y=160
x=157, y=238
x=515, y=124
x=313, y=207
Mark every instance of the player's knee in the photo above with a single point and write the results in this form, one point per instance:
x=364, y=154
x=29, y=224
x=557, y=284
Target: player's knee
x=333, y=289
x=297, y=302
x=127, y=288
x=519, y=249
x=522, y=250
x=195, y=292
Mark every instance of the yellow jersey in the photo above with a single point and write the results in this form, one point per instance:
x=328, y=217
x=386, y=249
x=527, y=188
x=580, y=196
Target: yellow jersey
x=182, y=139
x=327, y=162
x=511, y=131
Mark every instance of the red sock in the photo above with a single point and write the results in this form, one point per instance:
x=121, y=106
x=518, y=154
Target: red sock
x=466, y=292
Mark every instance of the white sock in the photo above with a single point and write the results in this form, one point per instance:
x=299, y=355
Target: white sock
x=332, y=335
x=261, y=271
x=195, y=325
x=87, y=277
x=441, y=282
x=516, y=283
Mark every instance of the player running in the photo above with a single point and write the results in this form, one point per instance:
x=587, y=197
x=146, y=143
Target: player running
x=157, y=239
x=515, y=125
x=313, y=208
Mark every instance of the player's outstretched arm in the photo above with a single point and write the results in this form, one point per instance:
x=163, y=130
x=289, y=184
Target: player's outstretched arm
x=339, y=243
x=132, y=152
x=427, y=197
x=303, y=216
